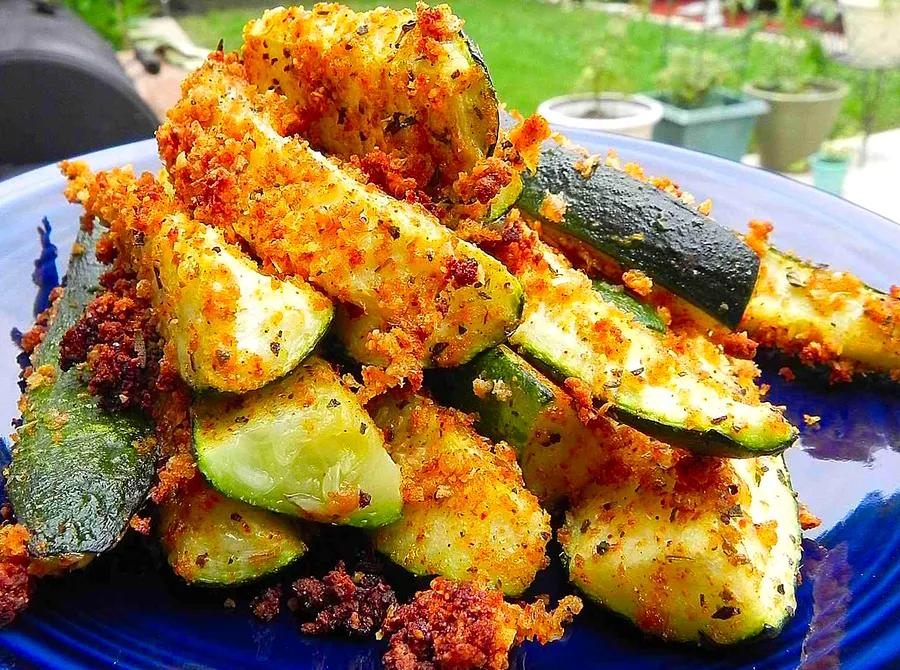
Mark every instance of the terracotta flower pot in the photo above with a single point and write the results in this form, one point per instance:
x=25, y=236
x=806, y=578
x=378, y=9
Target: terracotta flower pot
x=797, y=122
x=632, y=115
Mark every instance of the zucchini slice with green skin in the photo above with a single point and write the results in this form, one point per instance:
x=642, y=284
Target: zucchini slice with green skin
x=685, y=392
x=642, y=312
x=642, y=227
x=303, y=446
x=507, y=395
x=303, y=214
x=212, y=540
x=78, y=472
x=408, y=82
x=228, y=326
x=559, y=455
x=825, y=317
x=688, y=572
x=468, y=514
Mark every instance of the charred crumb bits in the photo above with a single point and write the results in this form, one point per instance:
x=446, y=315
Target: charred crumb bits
x=267, y=604
x=339, y=602
x=116, y=336
x=462, y=625
x=463, y=271
x=449, y=625
x=16, y=585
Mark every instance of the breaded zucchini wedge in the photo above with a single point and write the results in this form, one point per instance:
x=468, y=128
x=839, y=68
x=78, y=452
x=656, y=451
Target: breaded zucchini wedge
x=78, y=472
x=408, y=82
x=302, y=445
x=467, y=513
x=226, y=325
x=684, y=391
x=560, y=455
x=305, y=215
x=676, y=552
x=650, y=527
x=824, y=317
x=212, y=540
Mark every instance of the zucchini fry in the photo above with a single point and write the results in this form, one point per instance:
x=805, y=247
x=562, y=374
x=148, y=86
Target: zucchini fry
x=641, y=227
x=303, y=214
x=406, y=82
x=227, y=326
x=684, y=391
x=824, y=317
x=651, y=528
x=467, y=514
x=217, y=541
x=302, y=445
x=560, y=454
x=78, y=472
x=674, y=551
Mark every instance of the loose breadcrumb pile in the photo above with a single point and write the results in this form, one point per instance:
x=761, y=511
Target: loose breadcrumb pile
x=461, y=625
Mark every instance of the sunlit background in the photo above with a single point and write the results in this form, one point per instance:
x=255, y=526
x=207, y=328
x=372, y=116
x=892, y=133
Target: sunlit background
x=811, y=89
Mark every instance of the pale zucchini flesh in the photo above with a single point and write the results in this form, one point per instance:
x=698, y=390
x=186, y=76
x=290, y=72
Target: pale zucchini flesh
x=467, y=514
x=303, y=445
x=694, y=574
x=690, y=398
x=212, y=540
x=233, y=328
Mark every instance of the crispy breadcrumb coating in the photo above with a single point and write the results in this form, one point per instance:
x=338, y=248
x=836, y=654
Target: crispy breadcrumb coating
x=353, y=604
x=467, y=513
x=116, y=336
x=267, y=604
x=16, y=584
x=306, y=215
x=398, y=80
x=462, y=625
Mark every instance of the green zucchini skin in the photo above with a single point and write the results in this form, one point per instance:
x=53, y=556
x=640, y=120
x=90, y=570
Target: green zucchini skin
x=641, y=227
x=617, y=295
x=212, y=540
x=508, y=410
x=78, y=472
x=302, y=445
x=693, y=399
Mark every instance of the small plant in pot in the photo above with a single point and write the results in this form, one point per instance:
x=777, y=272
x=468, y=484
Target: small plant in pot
x=605, y=105
x=829, y=167
x=803, y=105
x=698, y=113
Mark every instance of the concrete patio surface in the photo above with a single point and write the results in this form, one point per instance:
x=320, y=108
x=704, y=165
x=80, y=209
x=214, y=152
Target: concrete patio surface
x=869, y=184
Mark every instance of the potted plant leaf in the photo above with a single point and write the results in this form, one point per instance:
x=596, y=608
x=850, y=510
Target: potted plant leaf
x=698, y=112
x=803, y=105
x=830, y=166
x=872, y=28
x=604, y=103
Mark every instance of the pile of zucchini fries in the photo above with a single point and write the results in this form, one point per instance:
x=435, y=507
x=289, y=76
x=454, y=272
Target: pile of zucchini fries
x=500, y=380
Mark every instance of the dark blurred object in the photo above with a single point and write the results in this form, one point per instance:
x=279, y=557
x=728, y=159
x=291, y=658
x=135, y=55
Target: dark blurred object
x=63, y=91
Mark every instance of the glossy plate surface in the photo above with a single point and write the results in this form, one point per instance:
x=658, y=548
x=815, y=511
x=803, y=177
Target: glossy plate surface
x=847, y=471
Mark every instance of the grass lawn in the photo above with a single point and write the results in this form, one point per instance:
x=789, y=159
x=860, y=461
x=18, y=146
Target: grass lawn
x=535, y=51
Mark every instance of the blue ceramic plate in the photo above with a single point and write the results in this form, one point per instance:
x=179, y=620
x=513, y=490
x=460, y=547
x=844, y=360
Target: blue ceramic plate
x=847, y=470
